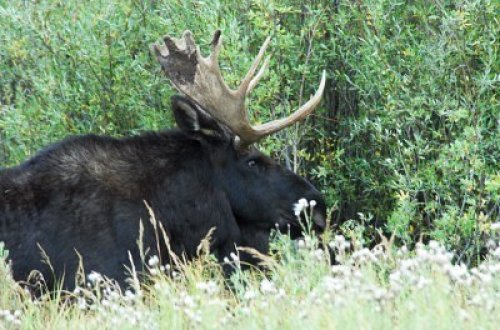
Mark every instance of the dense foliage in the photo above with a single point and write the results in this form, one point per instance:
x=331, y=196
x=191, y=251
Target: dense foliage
x=406, y=140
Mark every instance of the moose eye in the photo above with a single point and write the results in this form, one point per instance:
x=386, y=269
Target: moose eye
x=251, y=163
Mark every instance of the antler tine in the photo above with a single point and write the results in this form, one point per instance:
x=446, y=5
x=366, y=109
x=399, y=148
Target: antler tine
x=245, y=83
x=189, y=41
x=216, y=45
x=303, y=111
x=213, y=60
x=259, y=75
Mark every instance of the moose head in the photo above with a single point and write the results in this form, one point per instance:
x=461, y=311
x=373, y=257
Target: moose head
x=262, y=193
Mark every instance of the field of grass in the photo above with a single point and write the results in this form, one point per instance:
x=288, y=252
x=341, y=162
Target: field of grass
x=380, y=288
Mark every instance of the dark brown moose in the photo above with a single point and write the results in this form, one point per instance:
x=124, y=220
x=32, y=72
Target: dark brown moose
x=84, y=198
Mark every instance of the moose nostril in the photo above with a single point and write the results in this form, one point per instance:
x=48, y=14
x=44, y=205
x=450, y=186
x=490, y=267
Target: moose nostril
x=319, y=219
x=319, y=213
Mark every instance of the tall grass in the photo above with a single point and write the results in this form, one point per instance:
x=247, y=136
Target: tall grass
x=381, y=288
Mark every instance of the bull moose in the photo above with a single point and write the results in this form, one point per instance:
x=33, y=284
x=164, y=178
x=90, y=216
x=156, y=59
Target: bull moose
x=84, y=198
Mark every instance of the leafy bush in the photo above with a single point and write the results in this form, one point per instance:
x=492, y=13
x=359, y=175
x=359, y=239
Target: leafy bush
x=406, y=140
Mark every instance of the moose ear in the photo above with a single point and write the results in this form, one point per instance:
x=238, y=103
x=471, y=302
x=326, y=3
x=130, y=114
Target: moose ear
x=185, y=113
x=191, y=117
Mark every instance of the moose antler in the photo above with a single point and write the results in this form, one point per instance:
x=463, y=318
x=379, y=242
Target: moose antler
x=201, y=80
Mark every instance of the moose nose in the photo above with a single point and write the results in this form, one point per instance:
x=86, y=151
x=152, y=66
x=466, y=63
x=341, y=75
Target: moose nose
x=316, y=207
x=319, y=215
x=319, y=219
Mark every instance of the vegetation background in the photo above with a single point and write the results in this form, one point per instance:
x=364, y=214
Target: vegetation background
x=407, y=138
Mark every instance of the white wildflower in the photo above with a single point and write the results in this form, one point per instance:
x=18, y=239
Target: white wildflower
x=395, y=277
x=363, y=255
x=234, y=256
x=81, y=303
x=245, y=311
x=301, y=244
x=403, y=251
x=333, y=284
x=463, y=315
x=129, y=294
x=249, y=294
x=379, y=293
x=357, y=274
x=457, y=272
x=422, y=253
x=339, y=239
x=423, y=282
x=441, y=258
x=378, y=252
x=494, y=268
x=496, y=253
x=300, y=206
x=267, y=287
x=491, y=244
x=9, y=318
x=340, y=244
x=209, y=287
x=153, y=261
x=434, y=245
x=317, y=254
x=94, y=277
x=281, y=293
x=341, y=270
x=495, y=226
x=185, y=300
x=419, y=246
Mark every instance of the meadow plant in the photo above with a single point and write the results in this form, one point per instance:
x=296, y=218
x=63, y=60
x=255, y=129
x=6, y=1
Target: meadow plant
x=407, y=134
x=312, y=283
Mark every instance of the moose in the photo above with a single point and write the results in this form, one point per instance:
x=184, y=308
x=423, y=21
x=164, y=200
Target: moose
x=83, y=200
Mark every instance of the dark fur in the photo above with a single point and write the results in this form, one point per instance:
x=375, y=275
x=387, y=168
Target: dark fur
x=86, y=194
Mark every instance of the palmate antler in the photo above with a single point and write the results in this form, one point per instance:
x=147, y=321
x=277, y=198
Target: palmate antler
x=201, y=80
